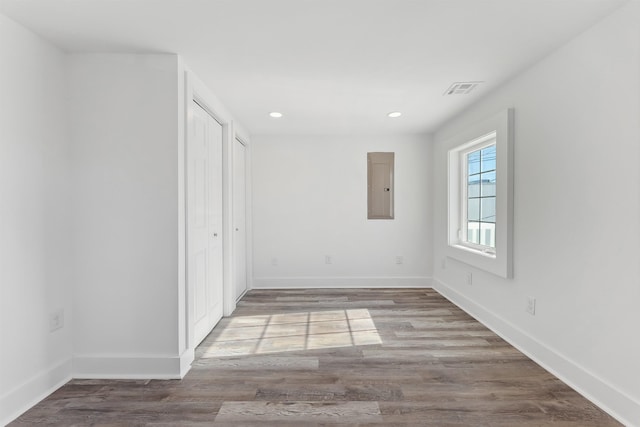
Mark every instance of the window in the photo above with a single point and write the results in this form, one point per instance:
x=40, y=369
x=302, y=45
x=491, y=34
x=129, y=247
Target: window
x=478, y=227
x=480, y=202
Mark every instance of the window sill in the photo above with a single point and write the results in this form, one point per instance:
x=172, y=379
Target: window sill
x=480, y=259
x=475, y=251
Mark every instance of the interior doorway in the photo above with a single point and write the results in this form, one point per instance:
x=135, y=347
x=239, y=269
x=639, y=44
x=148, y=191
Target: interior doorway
x=239, y=218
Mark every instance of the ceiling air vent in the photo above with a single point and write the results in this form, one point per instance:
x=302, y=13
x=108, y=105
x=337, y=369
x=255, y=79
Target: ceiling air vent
x=461, y=88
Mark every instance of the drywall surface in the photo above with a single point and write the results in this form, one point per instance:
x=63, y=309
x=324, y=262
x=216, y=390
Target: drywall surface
x=125, y=149
x=310, y=222
x=35, y=278
x=576, y=221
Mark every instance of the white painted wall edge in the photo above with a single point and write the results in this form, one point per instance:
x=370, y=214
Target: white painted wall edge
x=129, y=367
x=15, y=402
x=610, y=399
x=314, y=282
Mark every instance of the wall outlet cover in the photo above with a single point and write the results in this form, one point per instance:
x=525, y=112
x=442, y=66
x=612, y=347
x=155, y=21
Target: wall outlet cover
x=56, y=320
x=531, y=306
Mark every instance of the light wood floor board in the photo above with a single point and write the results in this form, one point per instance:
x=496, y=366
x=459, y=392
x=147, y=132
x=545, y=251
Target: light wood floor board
x=300, y=412
x=353, y=357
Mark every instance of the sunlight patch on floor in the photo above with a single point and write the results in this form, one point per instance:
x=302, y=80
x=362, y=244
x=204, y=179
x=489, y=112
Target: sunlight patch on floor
x=246, y=335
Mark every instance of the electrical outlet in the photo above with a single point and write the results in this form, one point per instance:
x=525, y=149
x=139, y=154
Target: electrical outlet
x=274, y=261
x=531, y=306
x=443, y=263
x=327, y=259
x=56, y=320
x=469, y=279
x=399, y=259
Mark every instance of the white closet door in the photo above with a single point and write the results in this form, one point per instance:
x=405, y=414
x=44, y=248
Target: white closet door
x=204, y=216
x=239, y=218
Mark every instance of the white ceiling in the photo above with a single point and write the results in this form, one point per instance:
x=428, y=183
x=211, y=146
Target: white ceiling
x=330, y=66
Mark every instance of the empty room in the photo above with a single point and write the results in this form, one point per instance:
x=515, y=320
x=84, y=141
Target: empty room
x=320, y=212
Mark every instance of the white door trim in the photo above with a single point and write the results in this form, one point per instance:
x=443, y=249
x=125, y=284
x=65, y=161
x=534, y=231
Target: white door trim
x=240, y=236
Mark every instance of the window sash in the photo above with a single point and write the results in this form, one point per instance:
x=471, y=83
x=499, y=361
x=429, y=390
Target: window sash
x=463, y=238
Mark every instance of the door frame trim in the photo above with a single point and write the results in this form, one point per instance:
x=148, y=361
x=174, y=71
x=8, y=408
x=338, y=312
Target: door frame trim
x=245, y=226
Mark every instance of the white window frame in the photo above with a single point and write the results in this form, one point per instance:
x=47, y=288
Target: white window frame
x=499, y=130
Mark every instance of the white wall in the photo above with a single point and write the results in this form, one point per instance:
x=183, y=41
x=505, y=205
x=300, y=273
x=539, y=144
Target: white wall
x=125, y=111
x=91, y=216
x=577, y=186
x=310, y=200
x=35, y=278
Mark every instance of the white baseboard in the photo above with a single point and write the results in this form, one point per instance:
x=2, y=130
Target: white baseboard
x=315, y=282
x=18, y=400
x=186, y=359
x=130, y=367
x=15, y=402
x=615, y=402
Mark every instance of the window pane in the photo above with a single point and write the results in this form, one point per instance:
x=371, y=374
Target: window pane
x=488, y=234
x=488, y=158
x=473, y=232
x=488, y=181
x=473, y=209
x=473, y=186
x=481, y=196
x=473, y=163
x=488, y=209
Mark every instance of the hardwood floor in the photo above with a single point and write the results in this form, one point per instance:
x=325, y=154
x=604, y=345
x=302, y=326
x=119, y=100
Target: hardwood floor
x=375, y=357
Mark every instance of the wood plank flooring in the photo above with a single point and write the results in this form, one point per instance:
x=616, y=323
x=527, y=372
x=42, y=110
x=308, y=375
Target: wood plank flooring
x=355, y=357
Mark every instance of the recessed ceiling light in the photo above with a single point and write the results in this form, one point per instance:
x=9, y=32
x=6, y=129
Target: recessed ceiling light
x=394, y=114
x=275, y=114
